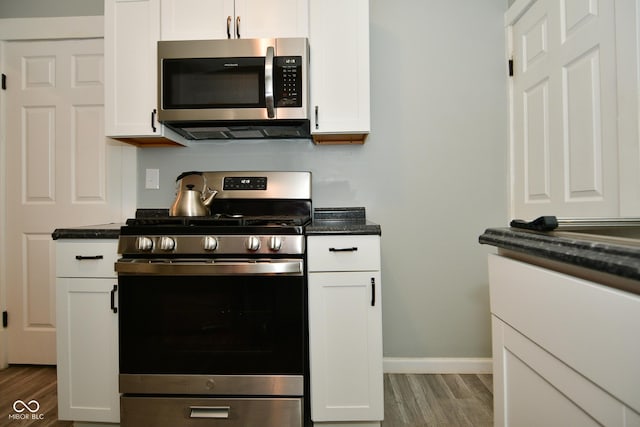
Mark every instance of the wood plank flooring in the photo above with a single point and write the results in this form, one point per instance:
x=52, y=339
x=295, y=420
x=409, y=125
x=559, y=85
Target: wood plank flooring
x=417, y=400
x=411, y=400
x=27, y=383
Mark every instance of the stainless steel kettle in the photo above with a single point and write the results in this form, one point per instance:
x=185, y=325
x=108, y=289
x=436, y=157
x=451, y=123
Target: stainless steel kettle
x=189, y=200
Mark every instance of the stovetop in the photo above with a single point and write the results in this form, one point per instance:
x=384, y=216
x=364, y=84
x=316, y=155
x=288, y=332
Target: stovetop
x=222, y=220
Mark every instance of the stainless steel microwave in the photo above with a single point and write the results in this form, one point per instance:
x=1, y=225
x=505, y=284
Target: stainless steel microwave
x=239, y=88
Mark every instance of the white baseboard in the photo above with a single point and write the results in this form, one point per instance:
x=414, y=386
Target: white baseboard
x=437, y=365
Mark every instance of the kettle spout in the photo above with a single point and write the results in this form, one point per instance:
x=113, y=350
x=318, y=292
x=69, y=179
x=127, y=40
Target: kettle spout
x=207, y=199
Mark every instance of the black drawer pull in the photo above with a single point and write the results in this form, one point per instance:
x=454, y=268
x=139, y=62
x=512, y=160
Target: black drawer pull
x=82, y=257
x=353, y=249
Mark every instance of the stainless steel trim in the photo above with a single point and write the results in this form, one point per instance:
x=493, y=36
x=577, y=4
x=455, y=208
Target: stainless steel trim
x=240, y=385
x=209, y=267
x=566, y=223
x=268, y=83
x=291, y=244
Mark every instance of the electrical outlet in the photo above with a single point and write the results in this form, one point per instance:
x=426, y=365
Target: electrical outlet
x=152, y=179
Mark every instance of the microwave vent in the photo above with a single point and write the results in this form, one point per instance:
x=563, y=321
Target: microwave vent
x=266, y=129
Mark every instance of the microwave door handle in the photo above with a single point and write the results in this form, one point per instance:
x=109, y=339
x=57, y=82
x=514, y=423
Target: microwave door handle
x=268, y=83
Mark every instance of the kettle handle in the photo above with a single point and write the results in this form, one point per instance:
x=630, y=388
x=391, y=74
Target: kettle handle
x=183, y=174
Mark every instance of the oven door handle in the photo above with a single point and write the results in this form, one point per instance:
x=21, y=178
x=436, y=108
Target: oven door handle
x=293, y=267
x=209, y=411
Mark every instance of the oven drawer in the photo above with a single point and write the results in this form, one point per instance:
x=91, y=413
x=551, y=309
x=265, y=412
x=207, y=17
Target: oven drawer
x=86, y=258
x=212, y=412
x=343, y=253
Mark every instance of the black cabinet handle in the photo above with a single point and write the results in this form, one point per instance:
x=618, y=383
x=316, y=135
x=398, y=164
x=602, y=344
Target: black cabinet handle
x=373, y=292
x=113, y=299
x=153, y=120
x=228, y=27
x=82, y=257
x=353, y=249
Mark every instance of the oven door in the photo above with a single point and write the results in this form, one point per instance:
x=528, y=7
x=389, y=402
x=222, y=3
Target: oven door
x=199, y=328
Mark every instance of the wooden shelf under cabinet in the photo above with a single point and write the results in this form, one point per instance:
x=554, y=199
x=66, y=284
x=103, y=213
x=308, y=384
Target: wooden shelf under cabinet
x=340, y=139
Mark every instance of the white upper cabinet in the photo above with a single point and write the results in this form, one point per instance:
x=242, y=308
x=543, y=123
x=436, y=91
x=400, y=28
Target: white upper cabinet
x=221, y=19
x=339, y=49
x=574, y=135
x=132, y=30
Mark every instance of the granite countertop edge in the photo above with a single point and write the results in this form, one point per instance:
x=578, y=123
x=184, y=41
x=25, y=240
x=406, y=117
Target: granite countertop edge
x=317, y=228
x=102, y=231
x=616, y=259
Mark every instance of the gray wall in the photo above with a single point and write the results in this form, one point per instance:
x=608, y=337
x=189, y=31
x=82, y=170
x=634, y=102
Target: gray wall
x=433, y=172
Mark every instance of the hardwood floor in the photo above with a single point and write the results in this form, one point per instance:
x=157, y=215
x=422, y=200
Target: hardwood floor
x=27, y=384
x=411, y=400
x=438, y=400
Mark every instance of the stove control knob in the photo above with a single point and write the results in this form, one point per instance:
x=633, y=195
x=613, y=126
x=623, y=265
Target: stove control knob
x=210, y=243
x=144, y=244
x=167, y=243
x=253, y=243
x=275, y=243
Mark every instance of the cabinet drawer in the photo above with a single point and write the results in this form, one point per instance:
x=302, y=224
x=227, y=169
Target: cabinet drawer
x=588, y=326
x=195, y=411
x=86, y=258
x=344, y=253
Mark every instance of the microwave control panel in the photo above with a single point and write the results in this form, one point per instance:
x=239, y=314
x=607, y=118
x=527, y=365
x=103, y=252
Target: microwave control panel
x=287, y=81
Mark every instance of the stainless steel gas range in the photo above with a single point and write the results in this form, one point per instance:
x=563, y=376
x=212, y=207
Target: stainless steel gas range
x=212, y=309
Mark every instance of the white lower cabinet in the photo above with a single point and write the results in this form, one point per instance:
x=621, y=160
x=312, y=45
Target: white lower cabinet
x=565, y=349
x=87, y=331
x=345, y=330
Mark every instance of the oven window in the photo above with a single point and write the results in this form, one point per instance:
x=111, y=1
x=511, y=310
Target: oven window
x=213, y=83
x=211, y=325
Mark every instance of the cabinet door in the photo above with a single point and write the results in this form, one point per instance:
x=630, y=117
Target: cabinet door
x=281, y=18
x=345, y=330
x=339, y=49
x=563, y=397
x=221, y=19
x=197, y=19
x=132, y=30
x=87, y=350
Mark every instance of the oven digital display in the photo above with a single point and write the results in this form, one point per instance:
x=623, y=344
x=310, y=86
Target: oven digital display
x=245, y=183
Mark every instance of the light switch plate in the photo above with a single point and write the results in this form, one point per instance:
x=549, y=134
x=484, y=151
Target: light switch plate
x=152, y=179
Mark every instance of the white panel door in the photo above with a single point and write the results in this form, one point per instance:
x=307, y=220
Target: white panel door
x=61, y=172
x=564, y=143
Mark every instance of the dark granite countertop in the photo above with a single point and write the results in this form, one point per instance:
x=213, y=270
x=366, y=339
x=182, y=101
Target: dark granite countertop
x=330, y=221
x=101, y=231
x=613, y=257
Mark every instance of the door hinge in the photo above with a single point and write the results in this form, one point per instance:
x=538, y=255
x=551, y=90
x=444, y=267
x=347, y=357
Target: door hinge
x=511, y=67
x=5, y=319
x=4, y=81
